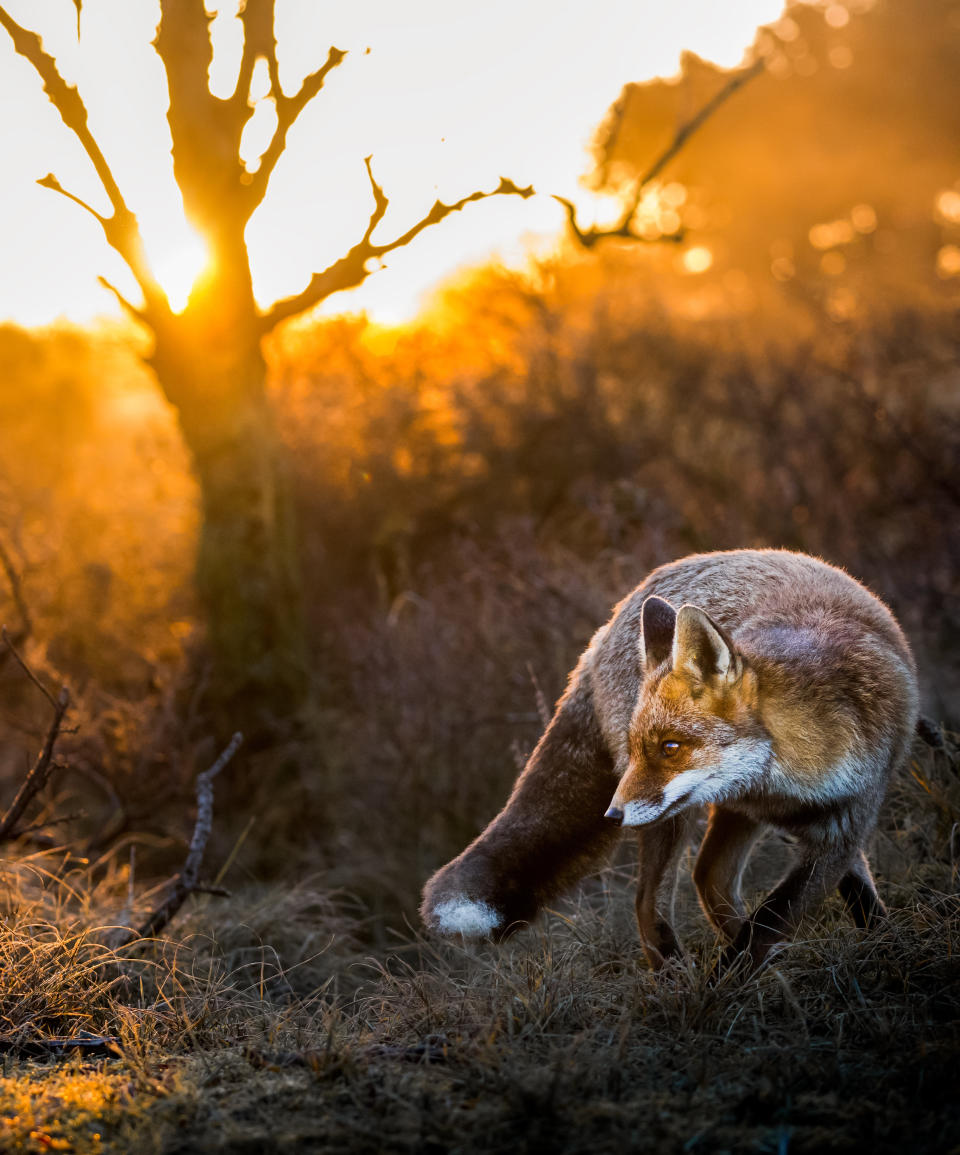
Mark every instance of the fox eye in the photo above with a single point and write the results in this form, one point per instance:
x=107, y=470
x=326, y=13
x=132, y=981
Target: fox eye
x=669, y=748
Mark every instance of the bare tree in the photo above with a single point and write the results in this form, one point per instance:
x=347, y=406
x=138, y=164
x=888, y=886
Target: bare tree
x=208, y=359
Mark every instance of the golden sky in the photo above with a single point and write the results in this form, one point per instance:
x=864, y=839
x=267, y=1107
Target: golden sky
x=450, y=96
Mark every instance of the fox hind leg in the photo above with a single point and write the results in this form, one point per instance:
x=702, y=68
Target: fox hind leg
x=818, y=870
x=660, y=846
x=859, y=892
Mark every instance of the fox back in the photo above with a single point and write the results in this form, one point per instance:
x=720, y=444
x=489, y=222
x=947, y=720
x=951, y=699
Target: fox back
x=785, y=672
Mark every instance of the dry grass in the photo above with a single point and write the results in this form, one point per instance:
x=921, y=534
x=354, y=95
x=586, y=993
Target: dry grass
x=268, y=1026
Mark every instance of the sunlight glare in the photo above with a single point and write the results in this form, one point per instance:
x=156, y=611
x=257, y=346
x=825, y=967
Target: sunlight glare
x=179, y=269
x=444, y=97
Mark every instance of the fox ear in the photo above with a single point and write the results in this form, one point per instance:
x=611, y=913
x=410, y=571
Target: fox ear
x=702, y=648
x=657, y=619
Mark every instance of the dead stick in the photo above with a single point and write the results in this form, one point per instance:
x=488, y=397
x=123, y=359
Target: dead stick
x=26, y=669
x=16, y=591
x=187, y=880
x=37, y=778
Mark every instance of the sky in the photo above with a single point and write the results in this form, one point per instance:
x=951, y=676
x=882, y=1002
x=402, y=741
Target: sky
x=449, y=96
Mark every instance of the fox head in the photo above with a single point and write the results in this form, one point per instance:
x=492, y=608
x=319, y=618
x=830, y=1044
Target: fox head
x=695, y=735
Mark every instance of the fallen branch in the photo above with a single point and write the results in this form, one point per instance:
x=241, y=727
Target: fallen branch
x=40, y=1048
x=188, y=880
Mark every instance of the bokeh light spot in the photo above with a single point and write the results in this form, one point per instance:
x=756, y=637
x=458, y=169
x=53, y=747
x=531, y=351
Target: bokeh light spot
x=697, y=260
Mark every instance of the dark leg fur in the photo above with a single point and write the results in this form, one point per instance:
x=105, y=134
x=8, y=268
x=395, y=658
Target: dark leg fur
x=860, y=894
x=660, y=846
x=723, y=854
x=818, y=870
x=548, y=836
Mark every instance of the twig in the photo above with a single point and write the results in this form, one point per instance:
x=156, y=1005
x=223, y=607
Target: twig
x=26, y=669
x=37, y=778
x=16, y=592
x=51, y=822
x=231, y=857
x=288, y=111
x=623, y=228
x=127, y=913
x=124, y=302
x=50, y=181
x=188, y=880
x=351, y=270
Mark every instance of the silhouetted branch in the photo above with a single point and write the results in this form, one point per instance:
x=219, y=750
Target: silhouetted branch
x=380, y=201
x=288, y=110
x=351, y=270
x=187, y=882
x=50, y=181
x=120, y=228
x=624, y=227
x=125, y=304
x=258, y=41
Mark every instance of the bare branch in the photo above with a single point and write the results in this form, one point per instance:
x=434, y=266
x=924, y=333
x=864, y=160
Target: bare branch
x=16, y=592
x=37, y=778
x=288, y=110
x=188, y=880
x=5, y=637
x=61, y=821
x=50, y=181
x=624, y=227
x=439, y=211
x=125, y=304
x=258, y=42
x=66, y=100
x=380, y=201
x=121, y=228
x=351, y=270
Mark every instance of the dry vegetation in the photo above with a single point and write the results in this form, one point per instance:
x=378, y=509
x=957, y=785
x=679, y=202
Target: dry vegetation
x=474, y=494
x=269, y=1025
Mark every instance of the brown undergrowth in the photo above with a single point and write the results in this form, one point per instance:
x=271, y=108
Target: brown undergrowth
x=268, y=1024
x=474, y=497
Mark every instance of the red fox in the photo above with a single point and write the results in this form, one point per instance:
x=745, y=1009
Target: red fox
x=766, y=685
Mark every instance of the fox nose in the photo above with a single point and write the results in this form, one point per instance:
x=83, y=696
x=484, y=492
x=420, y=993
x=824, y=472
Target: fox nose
x=615, y=814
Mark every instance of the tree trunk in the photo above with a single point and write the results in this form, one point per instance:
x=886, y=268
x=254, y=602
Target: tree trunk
x=248, y=573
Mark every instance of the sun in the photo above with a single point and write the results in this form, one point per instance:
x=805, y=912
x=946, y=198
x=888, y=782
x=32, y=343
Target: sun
x=179, y=268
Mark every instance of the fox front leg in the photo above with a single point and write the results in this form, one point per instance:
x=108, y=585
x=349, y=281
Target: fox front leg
x=547, y=837
x=660, y=846
x=718, y=871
